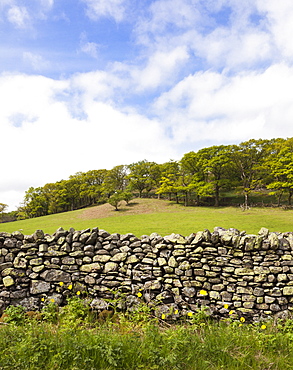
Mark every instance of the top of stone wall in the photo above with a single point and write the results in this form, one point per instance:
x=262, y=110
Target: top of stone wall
x=232, y=237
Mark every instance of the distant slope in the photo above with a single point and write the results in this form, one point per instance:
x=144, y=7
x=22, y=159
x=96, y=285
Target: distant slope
x=144, y=216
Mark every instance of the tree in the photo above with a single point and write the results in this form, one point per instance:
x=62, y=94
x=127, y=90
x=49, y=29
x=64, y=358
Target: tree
x=170, y=173
x=116, y=199
x=115, y=180
x=281, y=166
x=216, y=165
x=3, y=207
x=35, y=203
x=248, y=159
x=143, y=176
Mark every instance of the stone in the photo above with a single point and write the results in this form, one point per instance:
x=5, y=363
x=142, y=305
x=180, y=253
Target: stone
x=172, y=262
x=36, y=261
x=20, y=262
x=56, y=275
x=38, y=234
x=38, y=287
x=119, y=257
x=8, y=281
x=288, y=290
x=244, y=290
x=132, y=259
x=244, y=271
x=110, y=267
x=189, y=291
x=91, y=267
x=214, y=295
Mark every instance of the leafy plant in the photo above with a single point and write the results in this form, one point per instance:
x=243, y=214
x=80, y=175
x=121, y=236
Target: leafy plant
x=14, y=315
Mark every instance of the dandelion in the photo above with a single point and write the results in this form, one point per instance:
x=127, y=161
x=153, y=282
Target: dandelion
x=70, y=286
x=78, y=293
x=163, y=316
x=139, y=294
x=263, y=327
x=61, y=283
x=242, y=319
x=52, y=300
x=203, y=292
x=226, y=306
x=190, y=314
x=231, y=312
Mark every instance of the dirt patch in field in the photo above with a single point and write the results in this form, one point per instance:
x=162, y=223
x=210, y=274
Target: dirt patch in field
x=136, y=206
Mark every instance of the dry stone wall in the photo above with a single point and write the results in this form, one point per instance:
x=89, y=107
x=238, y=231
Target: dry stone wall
x=226, y=271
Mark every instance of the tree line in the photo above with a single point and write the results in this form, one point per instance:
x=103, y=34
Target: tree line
x=252, y=166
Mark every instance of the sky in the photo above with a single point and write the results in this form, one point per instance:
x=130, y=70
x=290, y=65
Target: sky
x=91, y=84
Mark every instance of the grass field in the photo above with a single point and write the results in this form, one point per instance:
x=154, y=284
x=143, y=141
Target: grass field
x=71, y=338
x=144, y=216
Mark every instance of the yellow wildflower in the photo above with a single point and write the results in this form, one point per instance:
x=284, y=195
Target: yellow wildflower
x=78, y=293
x=52, y=300
x=139, y=294
x=176, y=312
x=163, y=316
x=203, y=292
x=70, y=286
x=61, y=283
x=43, y=299
x=231, y=312
x=242, y=319
x=190, y=314
x=226, y=306
x=240, y=325
x=263, y=327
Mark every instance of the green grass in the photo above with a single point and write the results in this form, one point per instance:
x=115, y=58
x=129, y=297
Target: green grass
x=151, y=345
x=176, y=218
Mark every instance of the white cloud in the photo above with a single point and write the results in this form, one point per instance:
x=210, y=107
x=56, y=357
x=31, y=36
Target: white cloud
x=161, y=69
x=224, y=108
x=106, y=8
x=49, y=144
x=280, y=23
x=18, y=16
x=90, y=48
x=37, y=61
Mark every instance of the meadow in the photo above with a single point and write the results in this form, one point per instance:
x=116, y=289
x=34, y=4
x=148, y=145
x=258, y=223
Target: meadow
x=145, y=216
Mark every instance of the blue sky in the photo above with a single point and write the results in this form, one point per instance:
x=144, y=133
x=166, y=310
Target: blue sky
x=90, y=84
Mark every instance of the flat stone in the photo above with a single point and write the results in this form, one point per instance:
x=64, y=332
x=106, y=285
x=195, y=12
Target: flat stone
x=244, y=271
x=8, y=281
x=119, y=257
x=91, y=267
x=38, y=286
x=56, y=275
x=110, y=266
x=288, y=290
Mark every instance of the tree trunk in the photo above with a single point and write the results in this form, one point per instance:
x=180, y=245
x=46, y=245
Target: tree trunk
x=290, y=196
x=217, y=196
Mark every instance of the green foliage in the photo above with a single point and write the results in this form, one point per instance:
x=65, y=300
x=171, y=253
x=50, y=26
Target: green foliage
x=14, y=315
x=50, y=313
x=74, y=313
x=116, y=199
x=150, y=346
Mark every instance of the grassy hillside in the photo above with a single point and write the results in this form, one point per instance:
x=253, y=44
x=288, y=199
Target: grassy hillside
x=144, y=216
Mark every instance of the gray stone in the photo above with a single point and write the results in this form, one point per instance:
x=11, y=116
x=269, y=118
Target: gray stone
x=110, y=267
x=91, y=267
x=38, y=286
x=56, y=275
